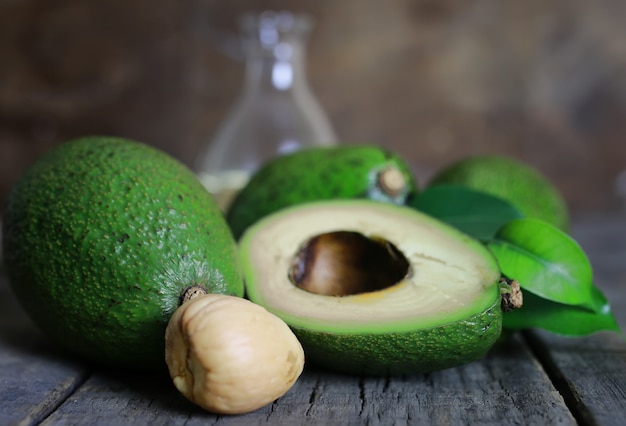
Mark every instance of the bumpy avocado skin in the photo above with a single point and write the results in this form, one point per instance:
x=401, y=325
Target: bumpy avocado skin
x=419, y=351
x=321, y=173
x=101, y=235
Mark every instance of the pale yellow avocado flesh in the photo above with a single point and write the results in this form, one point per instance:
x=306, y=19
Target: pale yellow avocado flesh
x=451, y=277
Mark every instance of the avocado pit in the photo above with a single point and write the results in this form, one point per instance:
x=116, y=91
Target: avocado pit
x=344, y=263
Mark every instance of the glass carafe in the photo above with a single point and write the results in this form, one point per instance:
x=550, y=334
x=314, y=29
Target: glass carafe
x=276, y=112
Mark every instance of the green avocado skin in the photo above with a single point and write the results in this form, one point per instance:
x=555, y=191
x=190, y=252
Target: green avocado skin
x=321, y=173
x=101, y=236
x=520, y=184
x=419, y=351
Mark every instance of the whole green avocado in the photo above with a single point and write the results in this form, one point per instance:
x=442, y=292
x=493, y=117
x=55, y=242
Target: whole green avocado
x=508, y=178
x=322, y=173
x=101, y=236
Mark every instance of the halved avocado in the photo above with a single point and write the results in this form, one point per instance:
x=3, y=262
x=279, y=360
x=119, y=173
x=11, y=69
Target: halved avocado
x=374, y=288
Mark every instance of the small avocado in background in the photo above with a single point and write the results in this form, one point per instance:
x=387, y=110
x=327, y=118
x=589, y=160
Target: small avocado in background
x=321, y=173
x=512, y=180
x=101, y=236
x=375, y=288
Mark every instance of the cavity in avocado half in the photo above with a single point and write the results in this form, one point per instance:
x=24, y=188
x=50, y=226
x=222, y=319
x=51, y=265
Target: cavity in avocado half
x=374, y=288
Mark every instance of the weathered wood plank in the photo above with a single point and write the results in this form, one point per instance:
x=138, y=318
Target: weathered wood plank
x=507, y=387
x=34, y=377
x=590, y=374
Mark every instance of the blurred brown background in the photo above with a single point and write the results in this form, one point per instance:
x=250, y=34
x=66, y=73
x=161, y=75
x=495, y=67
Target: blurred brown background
x=544, y=81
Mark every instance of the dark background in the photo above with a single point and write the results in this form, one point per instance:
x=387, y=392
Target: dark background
x=544, y=81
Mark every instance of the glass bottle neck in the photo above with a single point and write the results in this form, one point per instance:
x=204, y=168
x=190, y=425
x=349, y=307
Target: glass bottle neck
x=276, y=73
x=274, y=51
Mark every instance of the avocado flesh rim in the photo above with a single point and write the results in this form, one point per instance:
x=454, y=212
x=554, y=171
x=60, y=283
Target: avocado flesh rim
x=453, y=276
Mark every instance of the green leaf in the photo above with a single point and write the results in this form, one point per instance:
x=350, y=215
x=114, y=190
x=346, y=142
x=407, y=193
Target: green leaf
x=557, y=318
x=476, y=213
x=545, y=261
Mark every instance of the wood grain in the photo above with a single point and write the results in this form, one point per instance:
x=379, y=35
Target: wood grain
x=35, y=378
x=508, y=387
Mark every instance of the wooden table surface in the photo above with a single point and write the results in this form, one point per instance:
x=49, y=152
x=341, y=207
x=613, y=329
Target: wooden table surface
x=535, y=379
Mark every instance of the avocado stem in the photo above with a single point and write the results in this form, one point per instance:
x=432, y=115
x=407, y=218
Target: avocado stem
x=391, y=181
x=511, y=292
x=192, y=292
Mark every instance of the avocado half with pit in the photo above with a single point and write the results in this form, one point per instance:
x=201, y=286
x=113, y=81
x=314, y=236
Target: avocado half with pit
x=374, y=288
